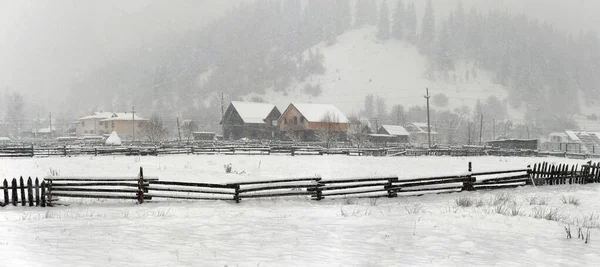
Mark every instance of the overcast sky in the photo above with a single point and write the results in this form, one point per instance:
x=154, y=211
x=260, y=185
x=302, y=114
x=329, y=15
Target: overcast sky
x=45, y=45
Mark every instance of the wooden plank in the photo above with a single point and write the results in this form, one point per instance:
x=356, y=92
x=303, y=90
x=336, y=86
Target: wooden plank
x=102, y=190
x=326, y=188
x=186, y=197
x=431, y=189
x=488, y=187
x=191, y=191
x=266, y=188
x=92, y=179
x=449, y=181
x=277, y=181
x=30, y=191
x=43, y=193
x=23, y=197
x=15, y=195
x=229, y=186
x=92, y=196
x=358, y=180
x=328, y=194
x=288, y=194
x=504, y=178
x=497, y=172
x=57, y=184
x=5, y=189
x=37, y=191
x=521, y=180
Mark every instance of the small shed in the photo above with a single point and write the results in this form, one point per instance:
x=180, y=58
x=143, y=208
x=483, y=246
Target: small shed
x=397, y=133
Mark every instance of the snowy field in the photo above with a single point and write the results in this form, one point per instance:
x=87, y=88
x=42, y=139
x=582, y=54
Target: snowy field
x=498, y=228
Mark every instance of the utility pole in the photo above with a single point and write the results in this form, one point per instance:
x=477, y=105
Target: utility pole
x=527, y=131
x=428, y=125
x=133, y=124
x=494, y=128
x=480, y=128
x=222, y=113
x=50, y=115
x=178, y=129
x=376, y=124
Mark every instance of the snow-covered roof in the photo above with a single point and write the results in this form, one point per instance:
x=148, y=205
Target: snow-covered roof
x=111, y=116
x=395, y=130
x=572, y=135
x=318, y=112
x=97, y=115
x=253, y=112
x=123, y=117
x=421, y=127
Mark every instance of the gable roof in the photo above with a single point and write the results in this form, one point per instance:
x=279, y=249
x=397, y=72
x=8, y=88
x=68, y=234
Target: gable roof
x=419, y=127
x=96, y=115
x=253, y=112
x=123, y=117
x=112, y=116
x=395, y=130
x=317, y=112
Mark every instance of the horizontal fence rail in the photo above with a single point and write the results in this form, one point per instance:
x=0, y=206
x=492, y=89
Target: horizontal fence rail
x=268, y=148
x=28, y=192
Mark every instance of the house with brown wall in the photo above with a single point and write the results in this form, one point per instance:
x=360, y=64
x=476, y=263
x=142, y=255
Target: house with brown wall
x=250, y=120
x=308, y=118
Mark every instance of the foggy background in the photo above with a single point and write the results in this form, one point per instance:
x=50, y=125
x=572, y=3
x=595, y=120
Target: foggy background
x=73, y=57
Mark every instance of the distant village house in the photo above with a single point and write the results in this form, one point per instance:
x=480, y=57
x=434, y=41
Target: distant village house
x=250, y=120
x=419, y=134
x=104, y=123
x=309, y=118
x=390, y=134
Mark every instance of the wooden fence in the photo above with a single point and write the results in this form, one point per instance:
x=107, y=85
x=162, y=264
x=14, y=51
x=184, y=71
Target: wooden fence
x=142, y=188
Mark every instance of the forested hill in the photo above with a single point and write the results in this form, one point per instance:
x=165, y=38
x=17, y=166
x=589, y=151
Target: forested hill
x=270, y=44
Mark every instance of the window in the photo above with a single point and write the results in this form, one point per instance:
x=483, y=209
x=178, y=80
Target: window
x=295, y=120
x=83, y=123
x=274, y=122
x=284, y=120
x=302, y=119
x=112, y=124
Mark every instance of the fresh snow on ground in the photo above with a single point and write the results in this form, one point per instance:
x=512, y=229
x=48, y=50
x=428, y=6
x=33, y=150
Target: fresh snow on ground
x=430, y=230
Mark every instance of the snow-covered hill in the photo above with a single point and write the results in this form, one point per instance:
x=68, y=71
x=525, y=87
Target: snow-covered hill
x=359, y=64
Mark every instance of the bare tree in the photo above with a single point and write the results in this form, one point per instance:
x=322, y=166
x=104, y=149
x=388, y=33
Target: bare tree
x=295, y=132
x=14, y=112
x=153, y=129
x=328, y=132
x=357, y=132
x=189, y=127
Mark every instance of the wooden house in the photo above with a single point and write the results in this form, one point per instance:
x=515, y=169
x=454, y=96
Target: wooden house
x=391, y=133
x=250, y=120
x=418, y=133
x=306, y=119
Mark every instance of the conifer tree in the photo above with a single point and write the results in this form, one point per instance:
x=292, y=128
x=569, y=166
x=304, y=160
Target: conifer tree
x=398, y=21
x=383, y=25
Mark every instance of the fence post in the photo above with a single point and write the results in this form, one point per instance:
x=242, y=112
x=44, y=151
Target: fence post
x=15, y=196
x=65, y=150
x=5, y=185
x=530, y=174
x=95, y=151
x=49, y=194
x=37, y=191
x=468, y=185
x=388, y=186
x=32, y=151
x=43, y=193
x=140, y=193
x=236, y=197
x=23, y=199
x=30, y=192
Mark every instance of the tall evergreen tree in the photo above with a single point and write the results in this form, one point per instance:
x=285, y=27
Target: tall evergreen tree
x=371, y=8
x=383, y=25
x=398, y=21
x=360, y=16
x=427, y=29
x=411, y=23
